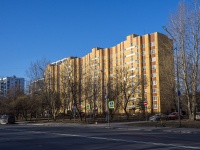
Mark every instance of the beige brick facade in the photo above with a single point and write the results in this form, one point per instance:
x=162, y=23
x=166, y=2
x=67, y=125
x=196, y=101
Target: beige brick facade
x=149, y=57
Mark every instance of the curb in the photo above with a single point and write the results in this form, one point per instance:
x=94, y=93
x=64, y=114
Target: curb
x=122, y=127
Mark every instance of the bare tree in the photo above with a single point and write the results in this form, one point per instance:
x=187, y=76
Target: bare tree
x=65, y=77
x=51, y=92
x=184, y=26
x=71, y=86
x=36, y=69
x=167, y=70
x=92, y=88
x=37, y=90
x=96, y=91
x=86, y=92
x=114, y=92
x=130, y=85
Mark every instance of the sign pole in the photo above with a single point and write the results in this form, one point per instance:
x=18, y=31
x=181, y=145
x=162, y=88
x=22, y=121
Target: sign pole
x=179, y=113
x=107, y=109
x=110, y=106
x=146, y=112
x=145, y=105
x=108, y=117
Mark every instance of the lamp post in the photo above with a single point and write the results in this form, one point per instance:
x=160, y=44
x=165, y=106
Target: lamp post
x=177, y=76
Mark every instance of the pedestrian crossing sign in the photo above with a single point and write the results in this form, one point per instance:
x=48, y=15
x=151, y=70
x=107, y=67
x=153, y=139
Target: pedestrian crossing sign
x=88, y=106
x=111, y=105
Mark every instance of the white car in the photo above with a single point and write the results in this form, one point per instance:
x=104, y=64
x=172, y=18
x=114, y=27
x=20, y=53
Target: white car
x=198, y=115
x=158, y=117
x=7, y=119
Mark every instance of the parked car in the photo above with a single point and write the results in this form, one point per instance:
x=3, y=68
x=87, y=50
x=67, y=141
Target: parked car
x=158, y=117
x=82, y=114
x=7, y=119
x=174, y=116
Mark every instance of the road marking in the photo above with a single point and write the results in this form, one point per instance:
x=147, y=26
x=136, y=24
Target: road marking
x=109, y=139
x=129, y=141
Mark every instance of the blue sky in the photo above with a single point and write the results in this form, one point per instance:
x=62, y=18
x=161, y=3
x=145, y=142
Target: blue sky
x=31, y=30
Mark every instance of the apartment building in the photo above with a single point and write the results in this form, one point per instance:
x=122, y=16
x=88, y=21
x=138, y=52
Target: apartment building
x=10, y=86
x=147, y=58
x=36, y=86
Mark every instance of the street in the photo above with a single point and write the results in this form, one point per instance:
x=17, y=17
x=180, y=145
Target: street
x=83, y=137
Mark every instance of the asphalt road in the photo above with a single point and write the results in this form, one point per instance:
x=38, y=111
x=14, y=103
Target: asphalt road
x=77, y=137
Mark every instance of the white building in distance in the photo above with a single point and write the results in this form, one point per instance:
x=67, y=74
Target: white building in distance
x=11, y=86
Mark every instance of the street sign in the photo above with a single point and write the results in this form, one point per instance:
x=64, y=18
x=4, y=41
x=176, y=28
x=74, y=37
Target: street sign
x=145, y=103
x=111, y=105
x=88, y=107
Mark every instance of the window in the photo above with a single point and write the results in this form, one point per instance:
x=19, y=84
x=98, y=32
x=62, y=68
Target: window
x=153, y=51
x=137, y=61
x=143, y=53
x=143, y=45
x=152, y=44
x=155, y=106
x=153, y=67
x=153, y=74
x=144, y=68
x=154, y=90
x=144, y=60
x=153, y=59
x=154, y=82
x=154, y=98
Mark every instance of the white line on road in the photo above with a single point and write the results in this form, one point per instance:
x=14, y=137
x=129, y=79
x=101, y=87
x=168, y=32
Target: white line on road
x=112, y=139
x=129, y=141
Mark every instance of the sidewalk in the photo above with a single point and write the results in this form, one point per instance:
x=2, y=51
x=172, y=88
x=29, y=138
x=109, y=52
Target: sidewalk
x=120, y=126
x=126, y=126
